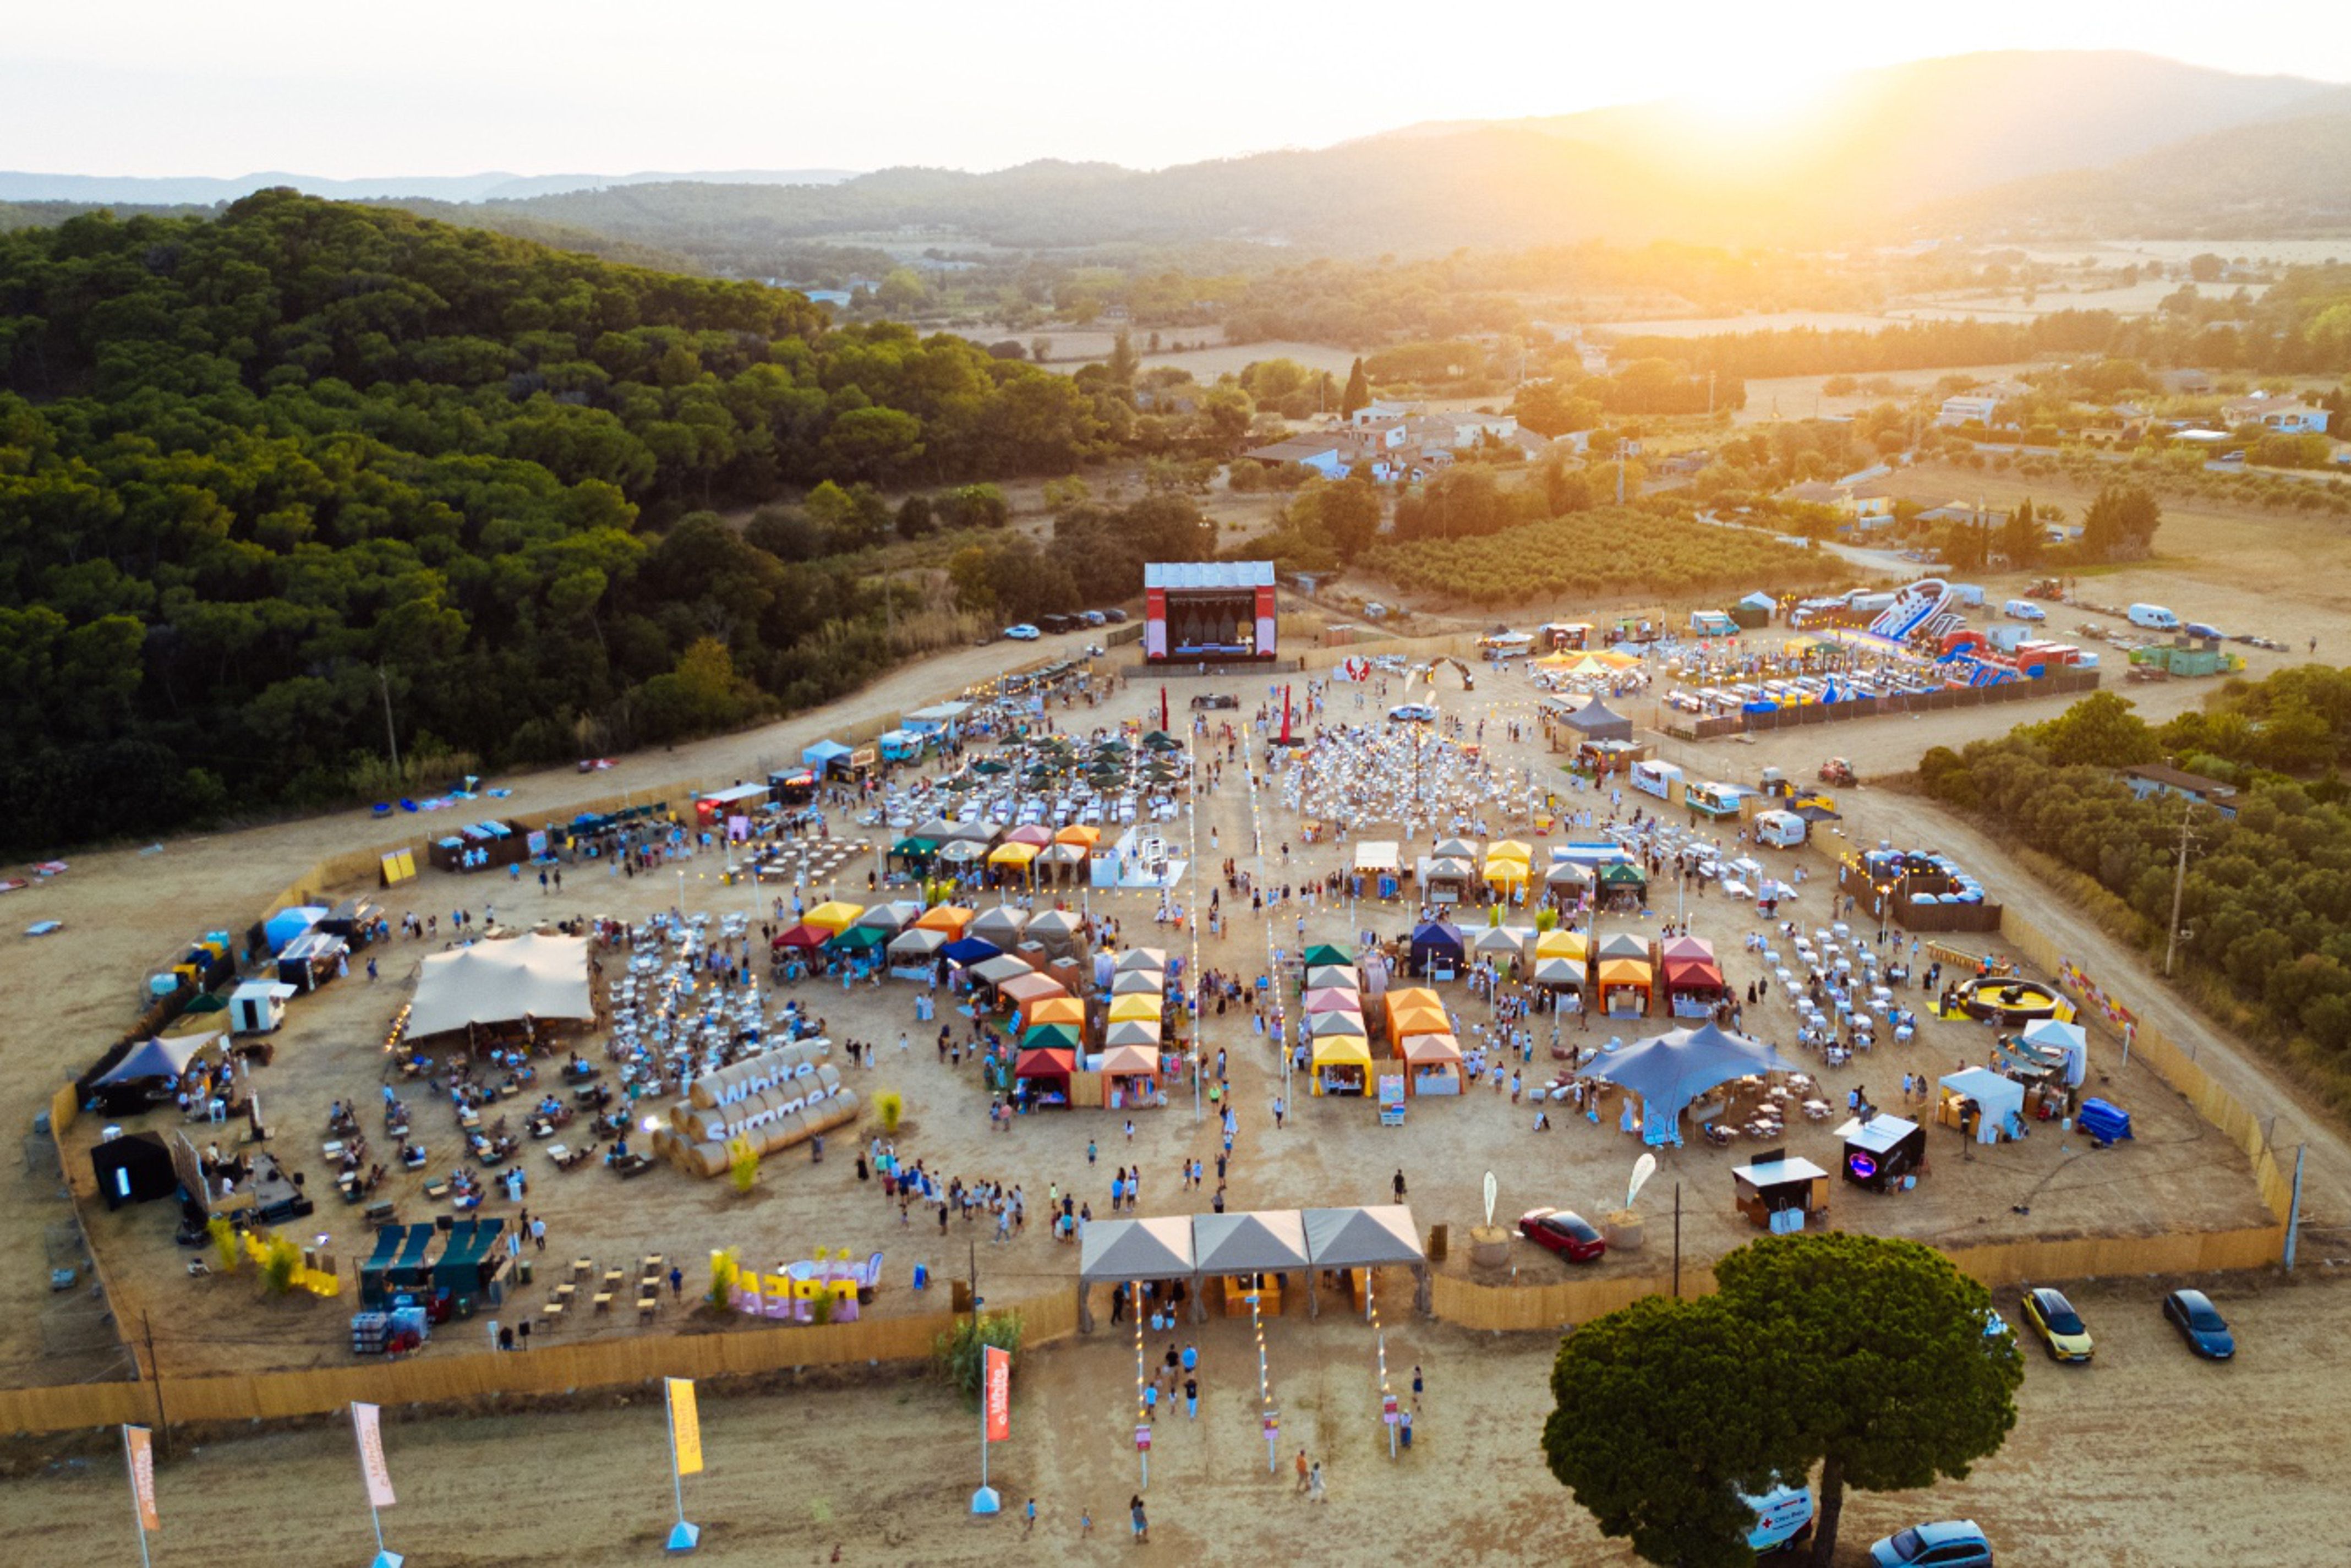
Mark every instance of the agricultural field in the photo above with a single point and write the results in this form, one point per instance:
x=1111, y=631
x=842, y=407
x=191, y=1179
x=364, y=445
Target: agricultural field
x=1597, y=555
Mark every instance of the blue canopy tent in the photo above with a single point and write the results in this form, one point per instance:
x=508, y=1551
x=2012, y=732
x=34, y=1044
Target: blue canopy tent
x=1437, y=941
x=824, y=754
x=968, y=950
x=1673, y=1069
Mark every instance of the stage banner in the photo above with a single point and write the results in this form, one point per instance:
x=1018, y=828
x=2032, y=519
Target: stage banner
x=142, y=1474
x=998, y=1366
x=367, y=1421
x=684, y=1425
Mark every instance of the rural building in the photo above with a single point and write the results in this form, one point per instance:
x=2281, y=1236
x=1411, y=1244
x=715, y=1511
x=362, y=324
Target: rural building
x=1328, y=455
x=2287, y=417
x=1863, y=506
x=1967, y=408
x=2156, y=779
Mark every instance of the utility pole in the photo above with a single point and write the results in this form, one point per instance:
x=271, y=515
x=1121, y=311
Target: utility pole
x=384, y=684
x=155, y=1371
x=2178, y=895
x=1677, y=1241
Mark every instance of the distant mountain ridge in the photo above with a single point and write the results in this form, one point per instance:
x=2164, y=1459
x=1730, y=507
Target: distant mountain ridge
x=495, y=186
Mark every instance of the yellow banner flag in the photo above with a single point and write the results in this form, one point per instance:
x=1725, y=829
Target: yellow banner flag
x=685, y=1427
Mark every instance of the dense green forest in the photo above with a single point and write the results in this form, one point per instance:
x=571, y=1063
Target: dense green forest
x=2267, y=916
x=264, y=476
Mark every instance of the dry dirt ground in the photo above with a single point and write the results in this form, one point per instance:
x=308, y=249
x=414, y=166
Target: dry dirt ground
x=2179, y=1173
x=2147, y=1459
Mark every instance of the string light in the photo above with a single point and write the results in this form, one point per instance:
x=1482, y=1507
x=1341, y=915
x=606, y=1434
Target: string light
x=1268, y=1416
x=1141, y=1408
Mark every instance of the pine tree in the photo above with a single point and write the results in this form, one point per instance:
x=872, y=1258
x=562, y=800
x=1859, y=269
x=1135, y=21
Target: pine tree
x=1359, y=390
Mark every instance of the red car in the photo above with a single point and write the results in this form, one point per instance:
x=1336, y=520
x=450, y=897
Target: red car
x=1562, y=1231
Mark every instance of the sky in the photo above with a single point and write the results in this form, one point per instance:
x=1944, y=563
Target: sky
x=336, y=89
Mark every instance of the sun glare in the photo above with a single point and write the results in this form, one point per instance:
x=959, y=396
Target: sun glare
x=1763, y=97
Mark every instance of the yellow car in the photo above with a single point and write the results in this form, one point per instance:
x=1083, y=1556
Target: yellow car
x=2060, y=1328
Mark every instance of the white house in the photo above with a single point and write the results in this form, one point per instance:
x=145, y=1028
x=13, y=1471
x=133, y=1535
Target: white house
x=1381, y=409
x=1326, y=454
x=1976, y=407
x=1865, y=506
x=2284, y=415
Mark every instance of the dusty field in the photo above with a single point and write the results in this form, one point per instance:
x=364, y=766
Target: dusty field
x=2179, y=1174
x=2150, y=1459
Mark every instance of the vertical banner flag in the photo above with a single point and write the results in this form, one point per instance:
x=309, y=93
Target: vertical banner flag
x=366, y=1421
x=684, y=1425
x=998, y=1368
x=142, y=1475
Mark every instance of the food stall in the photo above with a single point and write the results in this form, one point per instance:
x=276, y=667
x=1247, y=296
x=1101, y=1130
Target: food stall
x=1652, y=777
x=1436, y=951
x=258, y=1007
x=1779, y=1194
x=1432, y=1065
x=1130, y=1076
x=1041, y=1075
x=1693, y=979
x=1980, y=1103
x=1445, y=881
x=1884, y=1153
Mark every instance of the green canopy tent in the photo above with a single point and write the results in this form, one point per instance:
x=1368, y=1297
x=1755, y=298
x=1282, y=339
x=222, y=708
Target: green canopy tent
x=858, y=938
x=1324, y=953
x=1050, y=1036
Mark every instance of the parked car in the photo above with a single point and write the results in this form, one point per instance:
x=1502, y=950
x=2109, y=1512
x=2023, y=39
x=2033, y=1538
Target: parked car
x=1784, y=1520
x=1116, y=616
x=1024, y=632
x=1947, y=1543
x=2060, y=1328
x=1564, y=1231
x=1096, y=618
x=2201, y=1325
x=1413, y=713
x=2205, y=629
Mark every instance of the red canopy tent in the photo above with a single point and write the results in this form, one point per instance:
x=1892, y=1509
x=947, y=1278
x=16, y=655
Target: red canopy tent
x=1049, y=1069
x=802, y=936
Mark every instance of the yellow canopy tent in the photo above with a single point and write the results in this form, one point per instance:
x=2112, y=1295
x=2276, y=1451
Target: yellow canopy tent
x=834, y=916
x=1417, y=1020
x=950, y=918
x=1561, y=945
x=1342, y=1062
x=1078, y=834
x=1012, y=854
x=1059, y=1009
x=1506, y=872
x=1133, y=1006
x=1509, y=849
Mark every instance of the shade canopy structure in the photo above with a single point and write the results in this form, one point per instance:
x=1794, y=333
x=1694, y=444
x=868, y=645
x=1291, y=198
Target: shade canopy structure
x=1453, y=850
x=1116, y=1250
x=1333, y=1000
x=1507, y=872
x=951, y=918
x=1997, y=1099
x=801, y=936
x=970, y=950
x=915, y=848
x=1623, y=875
x=1141, y=958
x=1321, y=1025
x=1622, y=945
x=1502, y=941
x=834, y=914
x=1030, y=833
x=1138, y=983
x=1674, y=947
x=1005, y=966
x=914, y=942
x=1562, y=944
x=1378, y=855
x=1133, y=1031
x=501, y=982
x=1045, y=1061
x=1059, y=1009
x=1671, y=1069
x=895, y=916
x=164, y=1057
x=1001, y=925
x=1056, y=930
x=1509, y=849
x=2052, y=1036
x=1083, y=837
x=1334, y=977
x=1405, y=1021
x=1130, y=1061
x=1427, y=1050
x=858, y=938
x=963, y=852
x=1449, y=869
x=1434, y=942
x=1012, y=854
x=938, y=832
x=1269, y=1241
x=1051, y=1037
x=823, y=753
x=1596, y=721
x=1342, y=1051
x=1561, y=974
x=1133, y=1006
x=1062, y=854
x=1322, y=952
x=1567, y=874
x=1630, y=972
x=1032, y=987
x=1362, y=1237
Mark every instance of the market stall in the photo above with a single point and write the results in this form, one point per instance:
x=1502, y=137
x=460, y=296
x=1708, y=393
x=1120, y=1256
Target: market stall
x=1436, y=951
x=1622, y=977
x=1432, y=1065
x=1693, y=978
x=1239, y=1254
x=1445, y=881
x=1041, y=1075
x=1566, y=882
x=1341, y=1065
x=1981, y=1104
x=1781, y=1194
x=1130, y=1076
x=1622, y=885
x=1884, y=1153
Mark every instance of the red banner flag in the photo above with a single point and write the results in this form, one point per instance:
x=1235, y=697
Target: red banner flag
x=365, y=1421
x=141, y=1445
x=999, y=1392
x=1163, y=707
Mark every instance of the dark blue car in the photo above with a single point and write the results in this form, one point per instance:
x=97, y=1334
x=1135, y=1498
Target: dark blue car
x=2205, y=1332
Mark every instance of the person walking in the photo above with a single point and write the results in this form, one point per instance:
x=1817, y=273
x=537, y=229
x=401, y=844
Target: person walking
x=1415, y=1387
x=1302, y=1469
x=1398, y=1184
x=1142, y=1523
x=1192, y=1398
x=1314, y=1493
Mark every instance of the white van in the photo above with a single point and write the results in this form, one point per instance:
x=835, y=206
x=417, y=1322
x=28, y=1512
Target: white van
x=2023, y=610
x=2154, y=617
x=1783, y=1519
